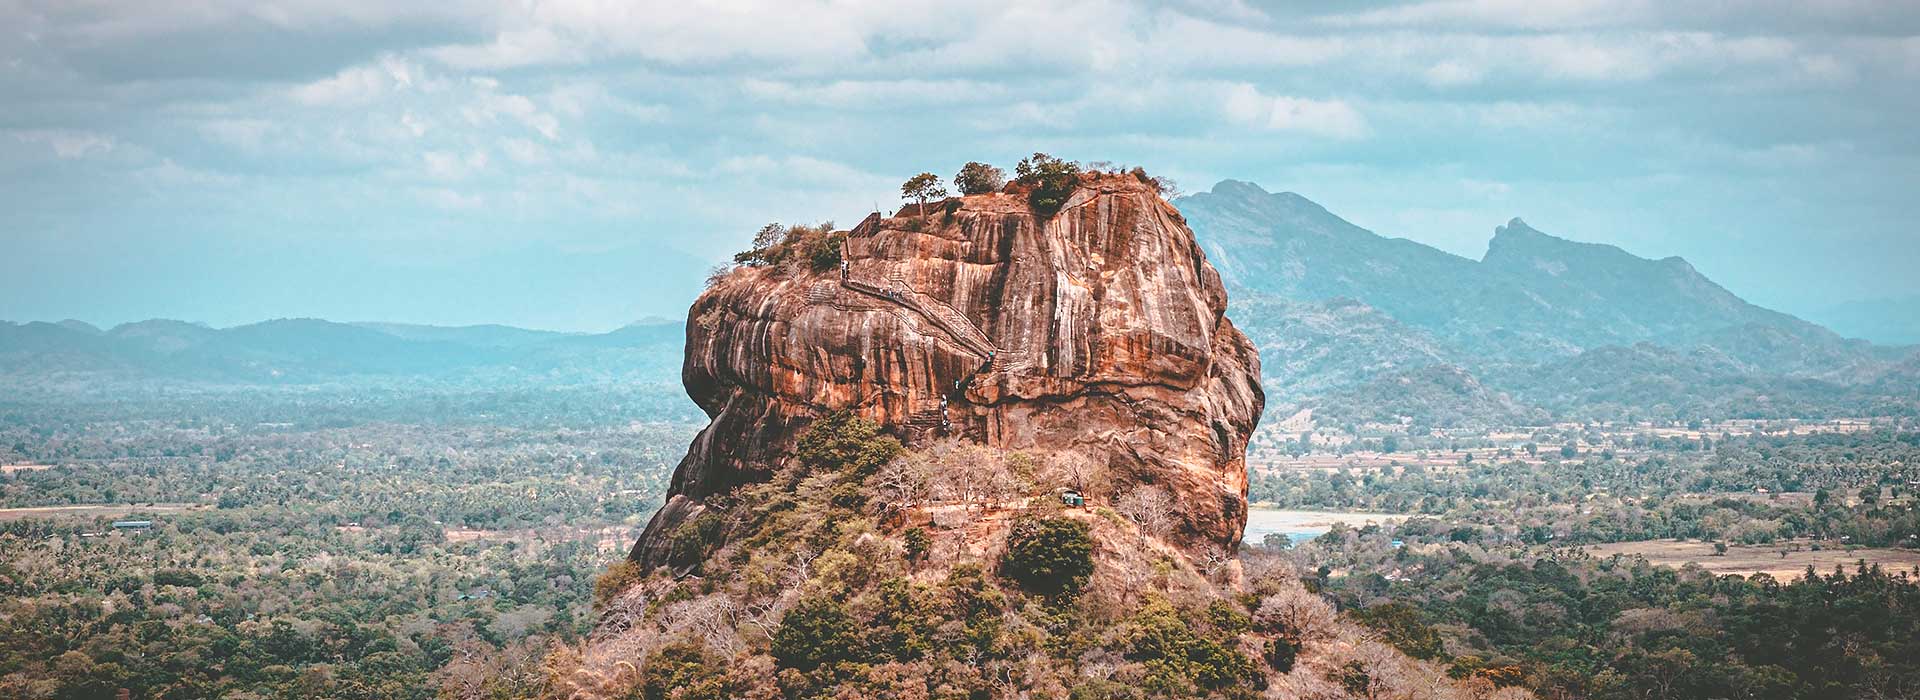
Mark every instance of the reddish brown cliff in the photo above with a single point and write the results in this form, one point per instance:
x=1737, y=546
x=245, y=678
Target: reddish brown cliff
x=1099, y=330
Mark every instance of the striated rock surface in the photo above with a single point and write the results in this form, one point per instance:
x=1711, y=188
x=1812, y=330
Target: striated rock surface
x=1099, y=331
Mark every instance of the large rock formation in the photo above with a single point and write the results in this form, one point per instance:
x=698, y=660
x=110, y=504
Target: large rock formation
x=1099, y=330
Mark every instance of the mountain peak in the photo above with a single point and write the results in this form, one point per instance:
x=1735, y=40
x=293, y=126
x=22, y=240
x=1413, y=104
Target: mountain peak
x=1239, y=188
x=1516, y=228
x=75, y=324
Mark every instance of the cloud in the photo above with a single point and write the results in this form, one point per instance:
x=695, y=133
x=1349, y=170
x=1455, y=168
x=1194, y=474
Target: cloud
x=526, y=152
x=875, y=94
x=1747, y=16
x=600, y=119
x=245, y=134
x=1244, y=104
x=797, y=171
x=1446, y=74
x=1514, y=14
x=488, y=107
x=550, y=32
x=67, y=144
x=446, y=165
x=452, y=200
x=579, y=99
x=358, y=85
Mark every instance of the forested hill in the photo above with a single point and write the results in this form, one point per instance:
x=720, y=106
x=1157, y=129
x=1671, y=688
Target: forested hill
x=312, y=351
x=1541, y=326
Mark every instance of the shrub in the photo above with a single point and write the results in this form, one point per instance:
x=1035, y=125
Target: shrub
x=1227, y=618
x=683, y=671
x=979, y=178
x=1295, y=614
x=1177, y=657
x=1049, y=181
x=177, y=577
x=1280, y=654
x=842, y=441
x=1050, y=556
x=694, y=538
x=817, y=247
x=814, y=633
x=1163, y=186
x=1399, y=624
x=1354, y=678
x=617, y=579
x=904, y=625
x=918, y=543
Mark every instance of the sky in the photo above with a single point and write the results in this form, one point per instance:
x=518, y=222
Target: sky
x=579, y=164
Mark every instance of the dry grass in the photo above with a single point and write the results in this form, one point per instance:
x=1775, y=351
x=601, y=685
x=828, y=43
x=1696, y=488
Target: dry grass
x=1767, y=559
x=95, y=511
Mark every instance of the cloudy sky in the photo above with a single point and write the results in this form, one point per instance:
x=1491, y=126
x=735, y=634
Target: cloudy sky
x=577, y=164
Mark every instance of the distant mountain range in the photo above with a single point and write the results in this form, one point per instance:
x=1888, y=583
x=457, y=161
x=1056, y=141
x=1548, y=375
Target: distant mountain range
x=1366, y=327
x=312, y=351
x=1356, y=326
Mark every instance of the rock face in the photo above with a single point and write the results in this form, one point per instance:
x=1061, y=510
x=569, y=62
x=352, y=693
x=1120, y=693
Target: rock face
x=1099, y=330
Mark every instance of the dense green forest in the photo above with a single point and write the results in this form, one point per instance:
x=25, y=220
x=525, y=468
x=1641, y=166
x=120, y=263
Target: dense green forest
x=316, y=544
x=1859, y=489
x=306, y=546
x=1493, y=579
x=1569, y=625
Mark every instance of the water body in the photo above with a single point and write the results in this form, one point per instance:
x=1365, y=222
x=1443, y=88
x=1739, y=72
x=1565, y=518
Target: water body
x=1302, y=525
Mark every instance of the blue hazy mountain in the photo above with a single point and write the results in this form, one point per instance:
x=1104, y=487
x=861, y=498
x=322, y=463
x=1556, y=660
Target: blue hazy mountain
x=1348, y=318
x=311, y=351
x=1355, y=325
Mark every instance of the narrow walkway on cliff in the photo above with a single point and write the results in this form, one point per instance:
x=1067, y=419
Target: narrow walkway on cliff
x=937, y=312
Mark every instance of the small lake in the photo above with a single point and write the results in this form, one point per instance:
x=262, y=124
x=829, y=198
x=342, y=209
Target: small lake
x=1302, y=525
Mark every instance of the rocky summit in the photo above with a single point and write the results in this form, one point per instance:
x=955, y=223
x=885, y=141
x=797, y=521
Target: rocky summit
x=1098, y=330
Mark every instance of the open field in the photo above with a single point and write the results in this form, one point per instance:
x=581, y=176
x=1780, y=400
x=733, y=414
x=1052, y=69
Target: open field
x=1748, y=560
x=1271, y=451
x=95, y=511
x=613, y=538
x=11, y=469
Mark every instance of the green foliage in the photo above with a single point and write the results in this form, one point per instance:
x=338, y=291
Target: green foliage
x=815, y=247
x=816, y=632
x=690, y=542
x=904, y=622
x=1050, y=556
x=1400, y=624
x=331, y=573
x=1227, y=617
x=1353, y=677
x=844, y=442
x=922, y=188
x=1578, y=627
x=1280, y=653
x=1179, y=658
x=917, y=542
x=1101, y=689
x=616, y=580
x=683, y=671
x=979, y=178
x=1048, y=180
x=1651, y=493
